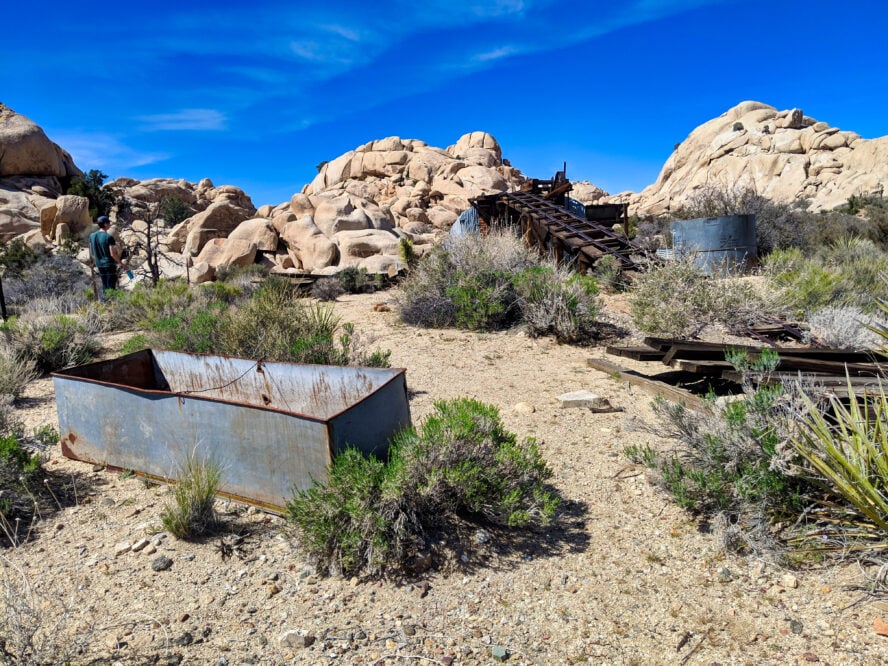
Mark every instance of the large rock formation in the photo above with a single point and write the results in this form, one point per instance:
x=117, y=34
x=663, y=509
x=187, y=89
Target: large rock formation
x=360, y=204
x=31, y=171
x=784, y=155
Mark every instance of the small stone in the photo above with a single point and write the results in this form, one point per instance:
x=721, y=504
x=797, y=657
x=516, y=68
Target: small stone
x=140, y=544
x=810, y=656
x=184, y=639
x=481, y=536
x=121, y=548
x=162, y=563
x=409, y=630
x=789, y=581
x=587, y=399
x=98, y=468
x=150, y=549
x=796, y=627
x=184, y=617
x=353, y=581
x=296, y=639
x=272, y=590
x=499, y=653
x=524, y=408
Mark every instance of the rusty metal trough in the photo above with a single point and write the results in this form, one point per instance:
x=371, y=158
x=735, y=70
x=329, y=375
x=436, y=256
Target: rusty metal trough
x=271, y=426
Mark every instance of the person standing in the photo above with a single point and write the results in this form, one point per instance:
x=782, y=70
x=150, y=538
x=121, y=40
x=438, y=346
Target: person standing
x=105, y=254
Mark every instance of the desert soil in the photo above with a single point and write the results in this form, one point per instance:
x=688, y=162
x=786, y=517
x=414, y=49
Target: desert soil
x=627, y=577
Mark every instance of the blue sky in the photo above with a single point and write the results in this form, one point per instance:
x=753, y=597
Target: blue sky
x=256, y=96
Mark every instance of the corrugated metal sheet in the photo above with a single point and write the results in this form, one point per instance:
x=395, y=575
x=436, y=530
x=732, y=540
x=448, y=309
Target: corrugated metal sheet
x=272, y=426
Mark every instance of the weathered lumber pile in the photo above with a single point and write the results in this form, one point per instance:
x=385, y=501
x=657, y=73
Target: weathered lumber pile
x=833, y=369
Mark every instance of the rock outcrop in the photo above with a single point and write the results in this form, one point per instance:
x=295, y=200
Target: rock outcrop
x=784, y=155
x=32, y=169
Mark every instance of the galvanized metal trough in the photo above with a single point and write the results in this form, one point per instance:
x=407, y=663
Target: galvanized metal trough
x=271, y=426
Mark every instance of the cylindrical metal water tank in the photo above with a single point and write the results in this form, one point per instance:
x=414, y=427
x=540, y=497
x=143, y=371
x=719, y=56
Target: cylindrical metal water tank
x=718, y=244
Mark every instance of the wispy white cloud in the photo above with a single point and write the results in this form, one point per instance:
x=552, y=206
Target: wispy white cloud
x=106, y=152
x=186, y=119
x=495, y=54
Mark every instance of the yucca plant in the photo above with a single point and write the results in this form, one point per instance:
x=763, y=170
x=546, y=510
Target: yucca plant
x=849, y=449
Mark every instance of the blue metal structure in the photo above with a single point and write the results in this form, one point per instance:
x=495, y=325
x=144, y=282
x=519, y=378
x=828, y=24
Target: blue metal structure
x=718, y=244
x=271, y=426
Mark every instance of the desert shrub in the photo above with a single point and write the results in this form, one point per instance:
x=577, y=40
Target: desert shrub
x=555, y=302
x=16, y=257
x=407, y=253
x=224, y=292
x=679, y=300
x=493, y=282
x=52, y=342
x=57, y=276
x=194, y=330
x=19, y=470
x=146, y=303
x=245, y=277
x=46, y=623
x=371, y=515
x=173, y=210
x=734, y=464
x=191, y=513
x=327, y=289
x=135, y=343
x=484, y=300
x=845, y=327
x=15, y=372
x=355, y=280
x=845, y=273
x=608, y=273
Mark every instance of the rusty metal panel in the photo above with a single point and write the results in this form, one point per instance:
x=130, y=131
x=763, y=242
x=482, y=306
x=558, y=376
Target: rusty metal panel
x=271, y=426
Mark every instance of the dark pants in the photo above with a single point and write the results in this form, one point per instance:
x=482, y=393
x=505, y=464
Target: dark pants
x=109, y=279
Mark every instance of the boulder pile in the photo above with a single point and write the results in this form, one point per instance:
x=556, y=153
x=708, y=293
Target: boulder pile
x=353, y=214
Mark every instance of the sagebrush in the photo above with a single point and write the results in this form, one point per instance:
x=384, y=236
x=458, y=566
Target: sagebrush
x=371, y=516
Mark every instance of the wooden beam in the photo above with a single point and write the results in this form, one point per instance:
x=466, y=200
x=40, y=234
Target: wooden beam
x=647, y=384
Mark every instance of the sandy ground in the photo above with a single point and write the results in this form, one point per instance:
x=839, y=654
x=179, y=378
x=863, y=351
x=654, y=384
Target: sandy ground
x=626, y=578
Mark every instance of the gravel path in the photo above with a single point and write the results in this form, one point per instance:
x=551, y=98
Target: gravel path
x=627, y=578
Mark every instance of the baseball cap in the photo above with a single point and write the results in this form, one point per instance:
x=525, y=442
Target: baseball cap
x=102, y=219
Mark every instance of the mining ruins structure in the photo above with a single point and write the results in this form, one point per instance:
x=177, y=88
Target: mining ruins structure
x=564, y=228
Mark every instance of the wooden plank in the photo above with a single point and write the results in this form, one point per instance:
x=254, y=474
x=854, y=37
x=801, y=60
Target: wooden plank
x=636, y=353
x=647, y=384
x=813, y=378
x=706, y=368
x=707, y=351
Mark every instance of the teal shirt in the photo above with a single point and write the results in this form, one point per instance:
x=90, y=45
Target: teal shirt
x=100, y=243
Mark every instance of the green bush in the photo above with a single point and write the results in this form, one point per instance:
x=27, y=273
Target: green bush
x=195, y=330
x=146, y=303
x=483, y=301
x=19, y=470
x=733, y=466
x=52, y=342
x=493, y=282
x=845, y=273
x=371, y=516
x=555, y=302
x=16, y=257
x=355, y=280
x=191, y=513
x=679, y=300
